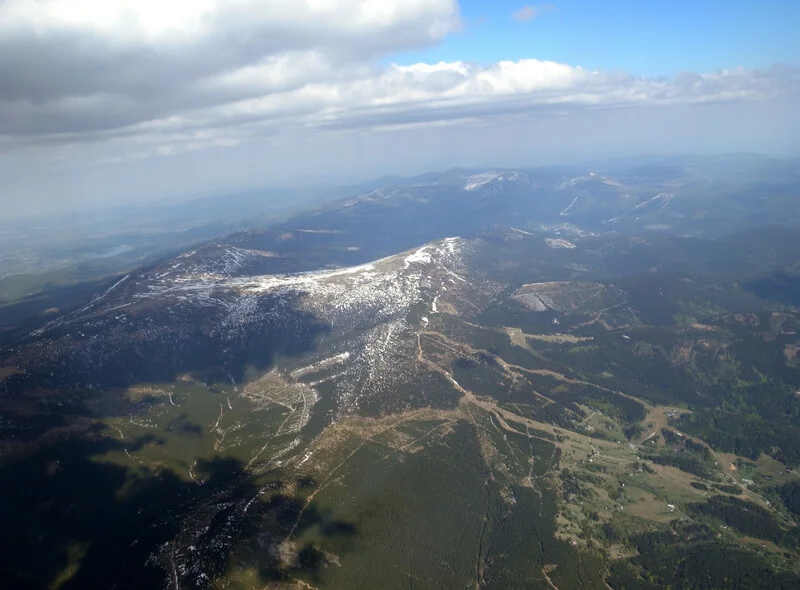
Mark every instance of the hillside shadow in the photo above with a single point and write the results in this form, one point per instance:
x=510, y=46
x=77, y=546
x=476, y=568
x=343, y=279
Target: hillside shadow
x=23, y=315
x=156, y=344
x=779, y=286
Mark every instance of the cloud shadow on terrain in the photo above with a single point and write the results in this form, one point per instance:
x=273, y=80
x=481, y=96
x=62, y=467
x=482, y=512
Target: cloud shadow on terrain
x=74, y=520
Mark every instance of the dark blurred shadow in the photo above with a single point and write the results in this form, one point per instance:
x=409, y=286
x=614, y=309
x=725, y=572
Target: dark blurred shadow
x=73, y=520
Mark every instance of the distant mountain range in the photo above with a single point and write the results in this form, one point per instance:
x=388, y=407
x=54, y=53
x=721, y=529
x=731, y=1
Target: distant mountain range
x=550, y=377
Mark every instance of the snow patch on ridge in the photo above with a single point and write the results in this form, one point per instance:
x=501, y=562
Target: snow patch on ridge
x=478, y=181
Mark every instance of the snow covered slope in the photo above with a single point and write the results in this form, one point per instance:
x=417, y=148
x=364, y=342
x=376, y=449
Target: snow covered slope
x=353, y=328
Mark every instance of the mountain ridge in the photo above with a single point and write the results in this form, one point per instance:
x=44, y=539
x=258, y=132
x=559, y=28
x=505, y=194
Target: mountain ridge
x=428, y=375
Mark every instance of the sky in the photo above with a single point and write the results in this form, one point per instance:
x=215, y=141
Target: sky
x=106, y=102
x=643, y=37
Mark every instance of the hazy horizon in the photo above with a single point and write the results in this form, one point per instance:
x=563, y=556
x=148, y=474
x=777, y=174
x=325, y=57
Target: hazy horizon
x=323, y=184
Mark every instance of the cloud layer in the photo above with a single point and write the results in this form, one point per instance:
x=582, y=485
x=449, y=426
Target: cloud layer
x=145, y=78
x=80, y=66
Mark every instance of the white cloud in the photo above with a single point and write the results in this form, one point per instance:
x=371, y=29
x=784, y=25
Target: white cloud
x=162, y=57
x=398, y=95
x=529, y=12
x=98, y=81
